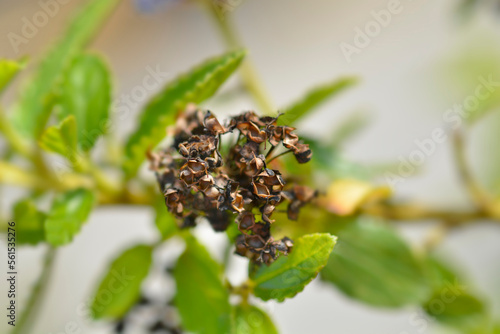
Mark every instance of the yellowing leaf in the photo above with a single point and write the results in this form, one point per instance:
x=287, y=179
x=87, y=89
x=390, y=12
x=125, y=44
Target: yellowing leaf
x=345, y=196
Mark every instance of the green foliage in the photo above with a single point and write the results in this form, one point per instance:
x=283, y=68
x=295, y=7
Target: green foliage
x=121, y=286
x=249, y=319
x=196, y=86
x=68, y=213
x=313, y=99
x=86, y=94
x=202, y=298
x=8, y=70
x=290, y=274
x=164, y=220
x=349, y=128
x=33, y=109
x=452, y=303
x=61, y=138
x=372, y=264
x=29, y=222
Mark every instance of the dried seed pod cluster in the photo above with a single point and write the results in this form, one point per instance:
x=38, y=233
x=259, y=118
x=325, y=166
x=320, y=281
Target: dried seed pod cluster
x=197, y=181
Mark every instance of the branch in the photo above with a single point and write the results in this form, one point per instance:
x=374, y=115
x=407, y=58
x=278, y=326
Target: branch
x=28, y=316
x=477, y=194
x=248, y=72
x=410, y=212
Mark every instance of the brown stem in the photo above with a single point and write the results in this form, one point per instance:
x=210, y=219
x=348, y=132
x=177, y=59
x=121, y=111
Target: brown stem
x=477, y=194
x=278, y=155
x=410, y=212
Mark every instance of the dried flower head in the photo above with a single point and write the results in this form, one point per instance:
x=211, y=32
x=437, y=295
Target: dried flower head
x=198, y=181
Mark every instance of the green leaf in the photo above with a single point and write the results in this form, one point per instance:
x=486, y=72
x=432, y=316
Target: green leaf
x=248, y=319
x=8, y=70
x=86, y=94
x=164, y=220
x=232, y=232
x=202, y=299
x=195, y=86
x=313, y=99
x=68, y=213
x=32, y=111
x=290, y=274
x=61, y=138
x=29, y=223
x=348, y=128
x=456, y=308
x=120, y=289
x=452, y=303
x=372, y=264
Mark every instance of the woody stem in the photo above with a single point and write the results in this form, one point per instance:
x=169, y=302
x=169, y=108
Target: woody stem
x=278, y=155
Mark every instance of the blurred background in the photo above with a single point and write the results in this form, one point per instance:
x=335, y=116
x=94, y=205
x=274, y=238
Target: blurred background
x=427, y=58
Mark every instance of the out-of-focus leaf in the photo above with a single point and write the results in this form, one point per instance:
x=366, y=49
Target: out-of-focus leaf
x=249, y=319
x=202, y=299
x=8, y=70
x=86, y=94
x=347, y=129
x=29, y=223
x=452, y=303
x=120, y=288
x=68, y=213
x=372, y=264
x=61, y=138
x=345, y=196
x=164, y=220
x=31, y=112
x=232, y=232
x=313, y=99
x=195, y=86
x=290, y=274
x=329, y=160
x=470, y=88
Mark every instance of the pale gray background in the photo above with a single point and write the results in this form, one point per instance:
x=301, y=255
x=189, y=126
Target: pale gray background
x=295, y=45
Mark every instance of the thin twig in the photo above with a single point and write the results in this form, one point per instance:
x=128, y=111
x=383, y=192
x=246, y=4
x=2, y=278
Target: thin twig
x=29, y=314
x=278, y=155
x=477, y=194
x=249, y=75
x=414, y=213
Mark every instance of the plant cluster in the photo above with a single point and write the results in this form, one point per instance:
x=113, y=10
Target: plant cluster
x=197, y=181
x=252, y=178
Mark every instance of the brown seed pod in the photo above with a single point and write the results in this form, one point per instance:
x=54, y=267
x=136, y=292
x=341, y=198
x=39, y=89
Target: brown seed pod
x=204, y=183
